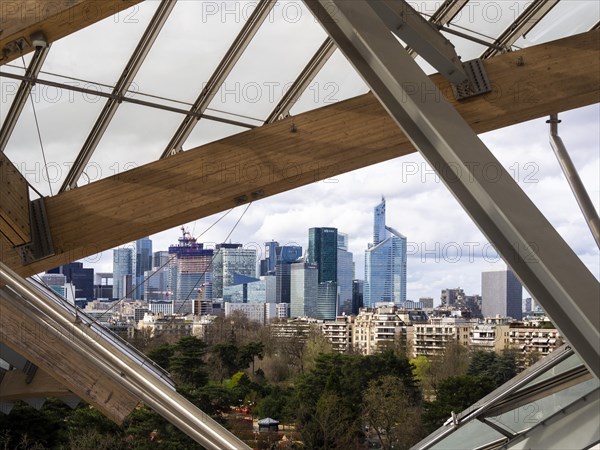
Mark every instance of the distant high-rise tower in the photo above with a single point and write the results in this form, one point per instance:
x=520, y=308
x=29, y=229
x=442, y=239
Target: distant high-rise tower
x=267, y=265
x=80, y=277
x=231, y=259
x=323, y=252
x=304, y=293
x=143, y=263
x=285, y=256
x=190, y=272
x=385, y=263
x=345, y=274
x=501, y=294
x=122, y=266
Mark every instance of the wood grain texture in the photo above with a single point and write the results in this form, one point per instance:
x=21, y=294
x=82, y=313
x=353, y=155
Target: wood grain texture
x=14, y=203
x=55, y=18
x=14, y=387
x=339, y=138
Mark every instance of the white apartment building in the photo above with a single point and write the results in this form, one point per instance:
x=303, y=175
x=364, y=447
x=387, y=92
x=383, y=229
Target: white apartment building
x=376, y=329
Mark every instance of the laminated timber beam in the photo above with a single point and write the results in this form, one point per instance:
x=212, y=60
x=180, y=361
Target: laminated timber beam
x=20, y=19
x=15, y=386
x=14, y=204
x=297, y=151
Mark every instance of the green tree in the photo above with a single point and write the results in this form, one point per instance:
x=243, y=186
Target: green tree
x=187, y=363
x=499, y=367
x=391, y=414
x=162, y=354
x=455, y=394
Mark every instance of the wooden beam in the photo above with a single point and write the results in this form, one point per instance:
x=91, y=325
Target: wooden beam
x=313, y=146
x=14, y=203
x=45, y=345
x=14, y=386
x=19, y=19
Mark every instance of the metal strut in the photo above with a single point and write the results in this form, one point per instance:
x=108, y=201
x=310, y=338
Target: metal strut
x=579, y=191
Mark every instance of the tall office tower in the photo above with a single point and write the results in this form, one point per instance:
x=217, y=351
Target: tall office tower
x=323, y=252
x=304, y=290
x=327, y=304
x=160, y=259
x=231, y=259
x=190, y=270
x=501, y=294
x=156, y=286
x=267, y=265
x=345, y=274
x=357, y=295
x=143, y=262
x=342, y=241
x=285, y=255
x=80, y=277
x=385, y=263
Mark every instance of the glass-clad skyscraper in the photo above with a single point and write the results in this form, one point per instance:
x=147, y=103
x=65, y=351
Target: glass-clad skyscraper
x=385, y=263
x=190, y=272
x=323, y=252
x=143, y=263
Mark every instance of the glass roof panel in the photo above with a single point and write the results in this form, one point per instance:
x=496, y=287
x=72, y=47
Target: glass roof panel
x=472, y=435
x=57, y=110
x=101, y=51
x=533, y=413
x=565, y=19
x=281, y=48
x=137, y=135
x=190, y=46
x=571, y=362
x=209, y=131
x=489, y=18
x=466, y=48
x=336, y=81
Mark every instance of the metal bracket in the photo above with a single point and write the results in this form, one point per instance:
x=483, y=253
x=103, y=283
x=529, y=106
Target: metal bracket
x=29, y=370
x=477, y=84
x=15, y=47
x=40, y=246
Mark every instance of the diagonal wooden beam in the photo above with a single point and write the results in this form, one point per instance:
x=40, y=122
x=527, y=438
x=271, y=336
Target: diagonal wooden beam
x=313, y=146
x=19, y=19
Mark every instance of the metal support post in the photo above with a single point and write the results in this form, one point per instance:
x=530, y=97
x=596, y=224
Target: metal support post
x=579, y=191
x=37, y=60
x=529, y=244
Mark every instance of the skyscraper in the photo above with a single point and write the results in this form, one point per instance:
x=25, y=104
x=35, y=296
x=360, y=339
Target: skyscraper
x=231, y=259
x=285, y=256
x=304, y=291
x=323, y=252
x=190, y=271
x=501, y=294
x=385, y=263
x=80, y=277
x=143, y=263
x=345, y=273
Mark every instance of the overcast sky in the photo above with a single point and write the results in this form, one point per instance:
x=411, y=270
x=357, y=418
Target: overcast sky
x=445, y=247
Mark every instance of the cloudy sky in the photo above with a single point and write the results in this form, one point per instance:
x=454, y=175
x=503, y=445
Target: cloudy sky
x=445, y=247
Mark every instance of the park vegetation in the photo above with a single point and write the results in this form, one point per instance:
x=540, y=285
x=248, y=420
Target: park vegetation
x=240, y=372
